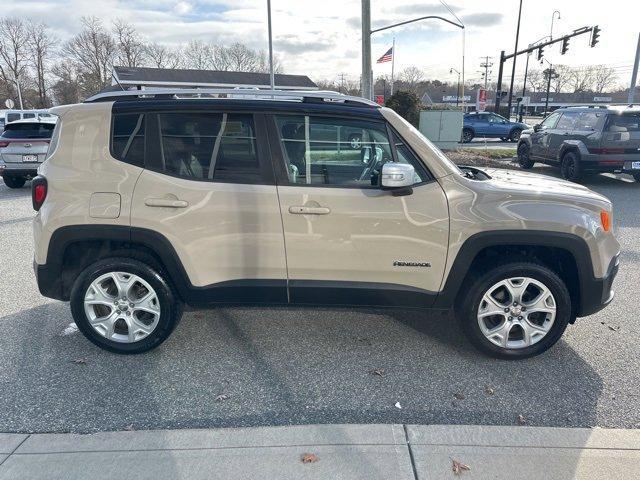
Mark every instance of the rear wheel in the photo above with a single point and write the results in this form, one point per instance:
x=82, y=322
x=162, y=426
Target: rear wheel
x=13, y=182
x=524, y=157
x=636, y=177
x=570, y=167
x=467, y=135
x=124, y=305
x=517, y=309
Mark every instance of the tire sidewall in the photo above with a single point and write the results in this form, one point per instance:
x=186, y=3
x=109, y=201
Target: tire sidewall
x=479, y=288
x=524, y=162
x=169, y=307
x=465, y=132
x=573, y=158
x=514, y=132
x=13, y=182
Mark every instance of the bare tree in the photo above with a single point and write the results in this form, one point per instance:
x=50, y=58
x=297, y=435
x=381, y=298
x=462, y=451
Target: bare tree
x=604, y=78
x=411, y=76
x=581, y=79
x=536, y=81
x=198, y=55
x=66, y=86
x=561, y=79
x=41, y=46
x=92, y=51
x=161, y=56
x=130, y=47
x=14, y=51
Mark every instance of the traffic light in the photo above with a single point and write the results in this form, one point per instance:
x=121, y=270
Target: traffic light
x=595, y=34
x=565, y=45
x=540, y=54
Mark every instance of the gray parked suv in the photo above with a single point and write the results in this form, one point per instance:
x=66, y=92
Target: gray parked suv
x=585, y=140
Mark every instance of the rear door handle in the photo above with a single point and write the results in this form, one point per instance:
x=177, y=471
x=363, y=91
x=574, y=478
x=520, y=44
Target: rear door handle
x=166, y=202
x=302, y=210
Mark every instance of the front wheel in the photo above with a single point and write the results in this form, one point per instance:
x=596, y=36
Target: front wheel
x=124, y=305
x=524, y=157
x=514, y=136
x=515, y=310
x=636, y=177
x=13, y=182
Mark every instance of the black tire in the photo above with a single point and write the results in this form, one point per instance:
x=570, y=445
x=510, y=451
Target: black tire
x=13, y=182
x=570, y=167
x=170, y=304
x=524, y=159
x=476, y=286
x=514, y=136
x=636, y=177
x=467, y=135
x=355, y=141
x=504, y=139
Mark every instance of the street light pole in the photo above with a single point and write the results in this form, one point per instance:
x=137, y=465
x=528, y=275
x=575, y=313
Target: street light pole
x=513, y=69
x=553, y=16
x=272, y=77
x=634, y=75
x=451, y=70
x=365, y=79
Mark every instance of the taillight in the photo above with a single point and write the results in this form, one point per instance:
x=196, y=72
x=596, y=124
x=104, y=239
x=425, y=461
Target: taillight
x=38, y=192
x=4, y=143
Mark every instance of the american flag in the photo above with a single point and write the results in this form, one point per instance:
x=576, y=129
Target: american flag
x=387, y=57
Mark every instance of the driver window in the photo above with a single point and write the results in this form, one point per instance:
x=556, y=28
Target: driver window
x=332, y=151
x=550, y=121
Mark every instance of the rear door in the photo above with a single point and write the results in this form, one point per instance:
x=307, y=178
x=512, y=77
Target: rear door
x=208, y=188
x=498, y=126
x=347, y=240
x=480, y=124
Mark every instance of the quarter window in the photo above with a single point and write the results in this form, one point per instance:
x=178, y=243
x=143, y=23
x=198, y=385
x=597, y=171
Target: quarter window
x=333, y=151
x=128, y=138
x=209, y=146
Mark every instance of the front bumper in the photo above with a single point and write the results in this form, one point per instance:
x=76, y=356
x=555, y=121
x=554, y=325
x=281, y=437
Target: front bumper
x=597, y=293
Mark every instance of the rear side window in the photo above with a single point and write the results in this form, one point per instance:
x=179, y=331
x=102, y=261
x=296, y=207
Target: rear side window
x=209, y=146
x=28, y=130
x=588, y=120
x=127, y=143
x=623, y=123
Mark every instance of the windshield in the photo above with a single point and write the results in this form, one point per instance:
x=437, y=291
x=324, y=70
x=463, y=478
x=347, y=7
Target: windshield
x=28, y=130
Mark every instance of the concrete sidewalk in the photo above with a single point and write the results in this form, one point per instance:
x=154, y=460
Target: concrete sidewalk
x=341, y=452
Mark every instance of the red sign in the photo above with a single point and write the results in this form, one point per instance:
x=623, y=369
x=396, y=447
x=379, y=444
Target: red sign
x=481, y=99
x=380, y=99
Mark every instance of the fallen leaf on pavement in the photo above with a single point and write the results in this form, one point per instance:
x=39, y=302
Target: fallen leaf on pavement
x=79, y=361
x=459, y=396
x=398, y=405
x=615, y=329
x=221, y=397
x=129, y=428
x=489, y=390
x=459, y=467
x=377, y=371
x=309, y=458
x=521, y=420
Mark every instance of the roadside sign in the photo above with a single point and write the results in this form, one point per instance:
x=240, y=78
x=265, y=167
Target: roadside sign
x=9, y=103
x=481, y=100
x=380, y=99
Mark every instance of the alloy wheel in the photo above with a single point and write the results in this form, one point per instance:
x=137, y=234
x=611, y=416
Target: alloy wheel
x=122, y=307
x=516, y=312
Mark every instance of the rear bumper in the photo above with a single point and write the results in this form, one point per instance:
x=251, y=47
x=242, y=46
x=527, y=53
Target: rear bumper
x=609, y=163
x=49, y=281
x=597, y=293
x=19, y=169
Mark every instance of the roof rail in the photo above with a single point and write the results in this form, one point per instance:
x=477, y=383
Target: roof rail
x=315, y=96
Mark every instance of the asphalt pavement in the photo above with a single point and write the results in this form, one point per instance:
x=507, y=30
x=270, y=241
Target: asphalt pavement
x=240, y=367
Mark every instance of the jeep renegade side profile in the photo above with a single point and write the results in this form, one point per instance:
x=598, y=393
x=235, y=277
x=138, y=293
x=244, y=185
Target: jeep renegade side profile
x=150, y=201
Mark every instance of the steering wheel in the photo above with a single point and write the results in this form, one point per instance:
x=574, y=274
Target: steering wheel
x=366, y=173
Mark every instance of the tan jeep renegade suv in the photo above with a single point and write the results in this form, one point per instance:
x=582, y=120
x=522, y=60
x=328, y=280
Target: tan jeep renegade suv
x=150, y=201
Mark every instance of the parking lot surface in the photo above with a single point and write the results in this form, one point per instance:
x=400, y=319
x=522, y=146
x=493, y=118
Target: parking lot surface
x=251, y=366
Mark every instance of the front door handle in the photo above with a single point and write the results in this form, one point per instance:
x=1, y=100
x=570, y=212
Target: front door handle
x=166, y=202
x=302, y=210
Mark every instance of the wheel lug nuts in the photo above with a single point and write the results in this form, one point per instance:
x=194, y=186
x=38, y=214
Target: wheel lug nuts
x=510, y=318
x=506, y=310
x=519, y=318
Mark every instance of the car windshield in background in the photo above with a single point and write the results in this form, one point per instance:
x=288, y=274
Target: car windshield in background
x=28, y=130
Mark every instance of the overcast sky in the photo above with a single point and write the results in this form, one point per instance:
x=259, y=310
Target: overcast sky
x=322, y=38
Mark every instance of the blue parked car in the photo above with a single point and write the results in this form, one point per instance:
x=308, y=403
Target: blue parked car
x=492, y=125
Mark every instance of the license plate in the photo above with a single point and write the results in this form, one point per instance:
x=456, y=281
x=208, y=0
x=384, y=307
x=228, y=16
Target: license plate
x=635, y=165
x=34, y=158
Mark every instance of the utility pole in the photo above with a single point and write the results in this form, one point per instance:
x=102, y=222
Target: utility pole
x=513, y=69
x=486, y=65
x=634, y=75
x=272, y=77
x=365, y=81
x=550, y=73
x=342, y=90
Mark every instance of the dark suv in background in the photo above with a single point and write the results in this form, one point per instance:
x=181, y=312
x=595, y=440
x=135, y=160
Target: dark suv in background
x=585, y=140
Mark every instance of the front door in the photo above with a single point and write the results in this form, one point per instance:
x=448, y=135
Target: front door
x=208, y=188
x=540, y=136
x=562, y=132
x=347, y=240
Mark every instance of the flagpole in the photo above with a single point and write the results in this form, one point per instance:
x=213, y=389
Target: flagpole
x=393, y=61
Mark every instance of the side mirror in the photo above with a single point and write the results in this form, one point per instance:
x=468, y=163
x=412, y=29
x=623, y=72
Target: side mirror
x=397, y=175
x=537, y=127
